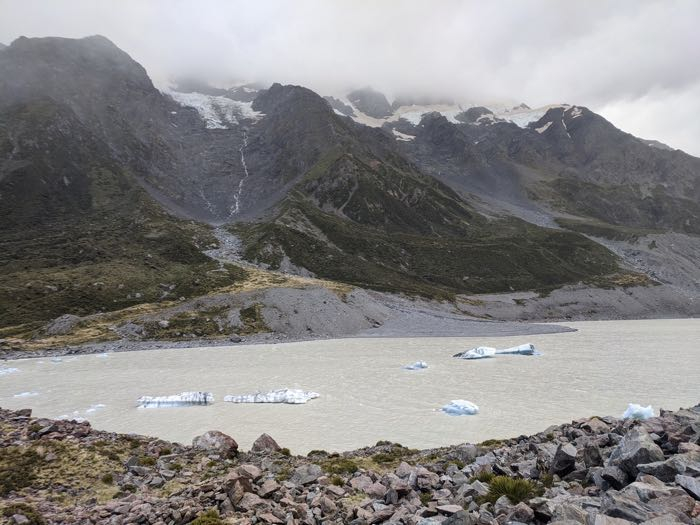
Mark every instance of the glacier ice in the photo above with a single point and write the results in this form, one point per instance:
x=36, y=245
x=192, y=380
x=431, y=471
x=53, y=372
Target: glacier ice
x=94, y=408
x=6, y=370
x=177, y=400
x=418, y=365
x=460, y=407
x=480, y=352
x=635, y=411
x=292, y=396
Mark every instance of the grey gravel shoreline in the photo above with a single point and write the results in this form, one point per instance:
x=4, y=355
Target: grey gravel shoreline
x=392, y=329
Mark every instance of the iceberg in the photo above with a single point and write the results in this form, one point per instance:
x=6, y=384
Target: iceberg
x=6, y=370
x=292, y=396
x=95, y=408
x=460, y=407
x=635, y=411
x=480, y=352
x=526, y=349
x=178, y=400
x=418, y=365
x=26, y=394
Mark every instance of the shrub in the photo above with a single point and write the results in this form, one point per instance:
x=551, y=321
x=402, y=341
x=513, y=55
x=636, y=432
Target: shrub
x=25, y=510
x=285, y=452
x=17, y=469
x=107, y=479
x=337, y=481
x=210, y=517
x=425, y=498
x=147, y=461
x=339, y=466
x=516, y=490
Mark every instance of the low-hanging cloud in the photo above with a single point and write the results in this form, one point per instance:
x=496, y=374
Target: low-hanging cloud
x=637, y=62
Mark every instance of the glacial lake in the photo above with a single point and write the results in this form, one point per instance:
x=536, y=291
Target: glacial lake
x=365, y=395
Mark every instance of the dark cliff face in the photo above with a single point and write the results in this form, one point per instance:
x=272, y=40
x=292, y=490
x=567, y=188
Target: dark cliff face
x=370, y=102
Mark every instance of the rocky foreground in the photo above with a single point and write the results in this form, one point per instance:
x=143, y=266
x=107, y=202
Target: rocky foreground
x=597, y=471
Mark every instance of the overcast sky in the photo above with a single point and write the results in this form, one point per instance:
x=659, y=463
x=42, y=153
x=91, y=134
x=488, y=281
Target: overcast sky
x=637, y=62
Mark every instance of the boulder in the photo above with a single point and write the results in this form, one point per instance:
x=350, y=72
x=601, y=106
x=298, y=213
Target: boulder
x=265, y=445
x=564, y=460
x=635, y=448
x=690, y=485
x=306, y=474
x=62, y=325
x=217, y=443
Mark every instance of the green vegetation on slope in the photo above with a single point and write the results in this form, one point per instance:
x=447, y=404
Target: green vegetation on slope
x=381, y=227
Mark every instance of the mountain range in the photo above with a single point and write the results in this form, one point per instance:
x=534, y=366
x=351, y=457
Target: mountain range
x=112, y=193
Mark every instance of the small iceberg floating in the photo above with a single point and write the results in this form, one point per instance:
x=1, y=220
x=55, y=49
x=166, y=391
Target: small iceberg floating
x=292, y=396
x=26, y=394
x=418, y=365
x=95, y=408
x=460, y=407
x=482, y=352
x=6, y=370
x=178, y=400
x=635, y=411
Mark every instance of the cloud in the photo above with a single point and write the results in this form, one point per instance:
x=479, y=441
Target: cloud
x=634, y=60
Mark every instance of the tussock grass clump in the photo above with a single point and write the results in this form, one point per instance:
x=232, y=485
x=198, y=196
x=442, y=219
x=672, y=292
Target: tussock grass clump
x=17, y=469
x=484, y=476
x=25, y=510
x=210, y=517
x=516, y=490
x=339, y=466
x=394, y=455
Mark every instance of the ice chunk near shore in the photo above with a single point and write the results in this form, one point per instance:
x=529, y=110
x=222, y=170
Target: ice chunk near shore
x=460, y=407
x=95, y=408
x=292, y=396
x=26, y=394
x=635, y=411
x=418, y=365
x=480, y=352
x=6, y=370
x=178, y=400
x=526, y=349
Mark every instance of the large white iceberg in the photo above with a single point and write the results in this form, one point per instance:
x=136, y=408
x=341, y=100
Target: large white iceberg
x=635, y=411
x=178, y=400
x=482, y=352
x=460, y=407
x=418, y=365
x=6, y=370
x=292, y=396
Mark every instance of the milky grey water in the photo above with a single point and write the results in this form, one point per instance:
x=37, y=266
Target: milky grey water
x=365, y=395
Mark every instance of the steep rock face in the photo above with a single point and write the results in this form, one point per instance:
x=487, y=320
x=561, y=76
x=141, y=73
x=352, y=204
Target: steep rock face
x=370, y=102
x=193, y=170
x=570, y=160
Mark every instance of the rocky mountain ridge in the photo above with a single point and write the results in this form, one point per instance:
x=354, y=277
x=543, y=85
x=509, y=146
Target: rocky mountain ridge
x=101, y=176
